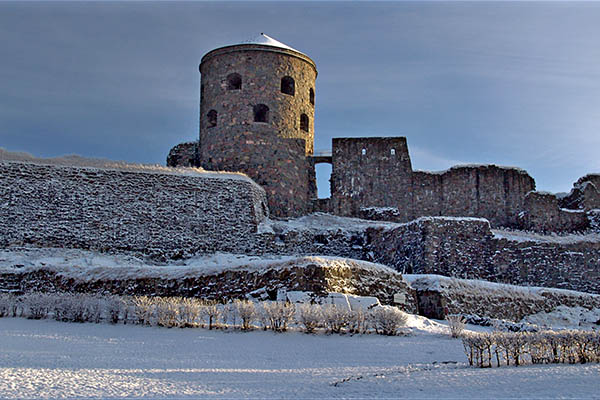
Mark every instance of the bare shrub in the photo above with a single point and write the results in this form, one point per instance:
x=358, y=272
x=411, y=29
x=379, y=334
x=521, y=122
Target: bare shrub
x=143, y=309
x=167, y=311
x=278, y=314
x=6, y=304
x=210, y=311
x=113, y=306
x=310, y=316
x=456, y=324
x=189, y=311
x=246, y=310
x=94, y=307
x=387, y=320
x=357, y=321
x=335, y=318
x=519, y=348
x=36, y=305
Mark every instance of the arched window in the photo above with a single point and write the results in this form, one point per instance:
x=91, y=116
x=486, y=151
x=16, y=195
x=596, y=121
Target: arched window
x=304, y=122
x=212, y=118
x=363, y=152
x=393, y=152
x=311, y=96
x=287, y=85
x=261, y=113
x=234, y=81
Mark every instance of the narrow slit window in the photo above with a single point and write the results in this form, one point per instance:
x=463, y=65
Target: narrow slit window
x=212, y=118
x=288, y=85
x=261, y=113
x=304, y=122
x=234, y=81
x=311, y=96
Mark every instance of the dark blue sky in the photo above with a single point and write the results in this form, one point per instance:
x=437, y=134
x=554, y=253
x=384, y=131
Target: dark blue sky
x=507, y=83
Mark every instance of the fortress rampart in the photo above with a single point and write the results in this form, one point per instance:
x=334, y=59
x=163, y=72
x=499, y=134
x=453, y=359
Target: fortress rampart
x=169, y=213
x=164, y=213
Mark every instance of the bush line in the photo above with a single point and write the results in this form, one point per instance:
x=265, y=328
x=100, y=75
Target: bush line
x=182, y=312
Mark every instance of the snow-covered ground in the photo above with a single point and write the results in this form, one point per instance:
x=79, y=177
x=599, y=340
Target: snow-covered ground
x=48, y=359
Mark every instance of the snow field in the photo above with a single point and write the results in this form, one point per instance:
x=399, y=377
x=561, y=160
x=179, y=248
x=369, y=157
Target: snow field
x=48, y=359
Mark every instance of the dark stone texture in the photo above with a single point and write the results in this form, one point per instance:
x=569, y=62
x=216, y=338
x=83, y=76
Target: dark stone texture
x=159, y=212
x=542, y=213
x=184, y=155
x=382, y=177
x=495, y=301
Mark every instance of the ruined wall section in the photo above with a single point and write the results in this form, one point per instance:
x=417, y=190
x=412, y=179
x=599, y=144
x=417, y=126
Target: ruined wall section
x=585, y=194
x=485, y=191
x=184, y=155
x=371, y=172
x=468, y=248
x=542, y=213
x=161, y=212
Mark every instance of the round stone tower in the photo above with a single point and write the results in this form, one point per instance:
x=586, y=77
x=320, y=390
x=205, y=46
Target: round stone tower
x=257, y=102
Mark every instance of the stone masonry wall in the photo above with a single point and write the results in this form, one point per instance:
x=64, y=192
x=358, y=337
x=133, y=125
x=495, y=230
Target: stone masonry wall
x=371, y=172
x=300, y=275
x=273, y=152
x=261, y=69
x=468, y=248
x=279, y=165
x=542, y=213
x=376, y=172
x=440, y=296
x=485, y=191
x=162, y=212
x=184, y=155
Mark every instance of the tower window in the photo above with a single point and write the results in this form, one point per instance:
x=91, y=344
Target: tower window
x=393, y=152
x=234, y=81
x=288, y=85
x=261, y=113
x=304, y=122
x=212, y=118
x=311, y=96
x=363, y=152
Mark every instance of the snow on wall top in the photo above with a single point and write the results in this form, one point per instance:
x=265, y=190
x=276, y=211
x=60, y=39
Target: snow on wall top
x=483, y=288
x=98, y=163
x=467, y=166
x=88, y=265
x=322, y=222
x=524, y=236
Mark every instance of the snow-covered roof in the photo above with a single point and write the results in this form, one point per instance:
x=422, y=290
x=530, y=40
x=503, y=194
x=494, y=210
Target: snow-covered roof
x=267, y=40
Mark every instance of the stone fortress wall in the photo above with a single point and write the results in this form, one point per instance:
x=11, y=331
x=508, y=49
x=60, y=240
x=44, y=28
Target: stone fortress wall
x=164, y=213
x=376, y=172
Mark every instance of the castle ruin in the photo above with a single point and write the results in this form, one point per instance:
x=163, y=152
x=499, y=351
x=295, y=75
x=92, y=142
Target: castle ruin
x=257, y=108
